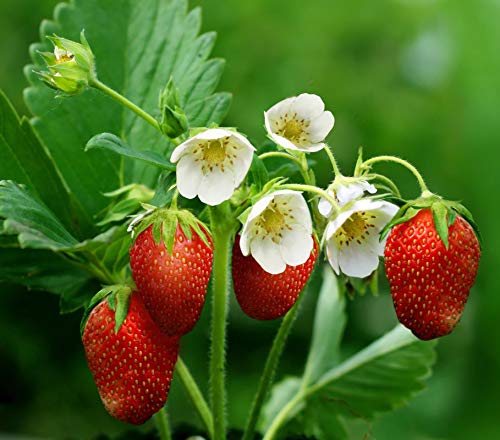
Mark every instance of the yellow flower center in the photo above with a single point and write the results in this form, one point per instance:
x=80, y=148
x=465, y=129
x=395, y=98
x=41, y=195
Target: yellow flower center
x=354, y=225
x=214, y=152
x=356, y=228
x=272, y=220
x=292, y=130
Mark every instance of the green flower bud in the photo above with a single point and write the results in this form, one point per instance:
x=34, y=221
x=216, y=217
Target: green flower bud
x=174, y=121
x=70, y=66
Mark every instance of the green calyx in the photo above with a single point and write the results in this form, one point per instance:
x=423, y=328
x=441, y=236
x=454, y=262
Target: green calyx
x=444, y=214
x=173, y=119
x=165, y=222
x=70, y=67
x=118, y=297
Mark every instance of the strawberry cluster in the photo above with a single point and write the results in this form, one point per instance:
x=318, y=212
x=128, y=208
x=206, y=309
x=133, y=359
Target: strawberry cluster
x=131, y=337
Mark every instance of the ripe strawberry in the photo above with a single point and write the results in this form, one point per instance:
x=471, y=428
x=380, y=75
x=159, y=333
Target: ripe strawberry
x=173, y=283
x=262, y=295
x=430, y=283
x=133, y=367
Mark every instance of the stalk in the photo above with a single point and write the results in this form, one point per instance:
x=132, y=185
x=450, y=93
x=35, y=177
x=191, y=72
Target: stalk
x=222, y=233
x=125, y=102
x=195, y=395
x=267, y=377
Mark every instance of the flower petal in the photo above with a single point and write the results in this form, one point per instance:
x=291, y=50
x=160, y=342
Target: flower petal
x=182, y=149
x=308, y=106
x=268, y=255
x=296, y=246
x=285, y=143
x=358, y=260
x=213, y=133
x=296, y=203
x=334, y=225
x=312, y=148
x=384, y=214
x=321, y=126
x=279, y=108
x=242, y=161
x=332, y=252
x=216, y=187
x=324, y=207
x=189, y=176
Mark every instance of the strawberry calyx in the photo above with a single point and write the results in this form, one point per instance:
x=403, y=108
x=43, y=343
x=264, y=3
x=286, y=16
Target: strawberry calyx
x=164, y=222
x=118, y=298
x=444, y=213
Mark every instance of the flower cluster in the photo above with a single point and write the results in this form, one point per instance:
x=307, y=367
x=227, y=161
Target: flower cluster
x=278, y=229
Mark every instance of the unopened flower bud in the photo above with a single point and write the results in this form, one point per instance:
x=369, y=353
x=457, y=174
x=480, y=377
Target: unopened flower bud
x=173, y=119
x=70, y=66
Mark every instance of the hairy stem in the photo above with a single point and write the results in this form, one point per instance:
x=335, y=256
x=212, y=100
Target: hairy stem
x=333, y=161
x=280, y=154
x=195, y=395
x=314, y=190
x=408, y=165
x=267, y=376
x=125, y=102
x=222, y=233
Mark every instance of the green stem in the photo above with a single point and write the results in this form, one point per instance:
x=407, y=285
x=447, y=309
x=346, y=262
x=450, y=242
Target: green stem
x=409, y=166
x=222, y=233
x=280, y=154
x=195, y=395
x=125, y=102
x=335, y=167
x=312, y=189
x=267, y=376
x=388, y=182
x=282, y=416
x=161, y=419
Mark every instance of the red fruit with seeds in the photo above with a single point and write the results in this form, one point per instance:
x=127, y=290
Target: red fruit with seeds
x=265, y=296
x=172, y=285
x=430, y=283
x=133, y=367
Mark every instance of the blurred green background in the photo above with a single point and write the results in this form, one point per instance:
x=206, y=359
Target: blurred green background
x=416, y=78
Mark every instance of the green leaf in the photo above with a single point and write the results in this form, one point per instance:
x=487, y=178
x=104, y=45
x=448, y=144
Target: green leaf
x=110, y=142
x=379, y=378
x=258, y=172
x=164, y=191
x=25, y=160
x=439, y=215
x=26, y=216
x=41, y=270
x=329, y=324
x=136, y=52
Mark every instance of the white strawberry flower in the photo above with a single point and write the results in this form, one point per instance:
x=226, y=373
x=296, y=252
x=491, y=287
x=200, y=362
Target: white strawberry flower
x=299, y=123
x=344, y=193
x=212, y=164
x=352, y=237
x=278, y=231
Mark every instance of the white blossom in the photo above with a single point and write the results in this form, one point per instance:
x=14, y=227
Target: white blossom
x=278, y=231
x=212, y=164
x=344, y=194
x=299, y=123
x=352, y=237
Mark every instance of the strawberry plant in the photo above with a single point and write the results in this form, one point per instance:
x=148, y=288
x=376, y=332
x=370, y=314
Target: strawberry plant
x=123, y=194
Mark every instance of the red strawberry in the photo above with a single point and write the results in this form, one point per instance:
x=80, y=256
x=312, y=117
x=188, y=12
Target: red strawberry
x=429, y=283
x=172, y=285
x=133, y=367
x=262, y=295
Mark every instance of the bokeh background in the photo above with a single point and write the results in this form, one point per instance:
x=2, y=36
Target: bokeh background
x=416, y=78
